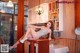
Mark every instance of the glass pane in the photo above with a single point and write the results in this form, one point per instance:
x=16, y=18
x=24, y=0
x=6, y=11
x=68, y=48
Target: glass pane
x=25, y=17
x=5, y=8
x=5, y=27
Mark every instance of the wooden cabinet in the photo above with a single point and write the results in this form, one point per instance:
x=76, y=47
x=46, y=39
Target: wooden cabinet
x=43, y=46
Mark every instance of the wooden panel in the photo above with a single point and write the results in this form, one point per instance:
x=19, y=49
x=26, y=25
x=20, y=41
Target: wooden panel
x=20, y=29
x=77, y=13
x=26, y=47
x=43, y=47
x=78, y=46
x=68, y=42
x=71, y=44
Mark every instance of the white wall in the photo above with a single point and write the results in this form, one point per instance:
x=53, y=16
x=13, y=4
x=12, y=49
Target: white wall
x=35, y=18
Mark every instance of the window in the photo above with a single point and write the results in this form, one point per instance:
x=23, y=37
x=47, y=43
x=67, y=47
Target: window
x=8, y=22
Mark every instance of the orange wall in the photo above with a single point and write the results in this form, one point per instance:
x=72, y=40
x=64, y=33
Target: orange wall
x=69, y=20
x=77, y=11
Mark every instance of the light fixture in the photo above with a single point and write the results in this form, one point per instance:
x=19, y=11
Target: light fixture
x=10, y=4
x=39, y=10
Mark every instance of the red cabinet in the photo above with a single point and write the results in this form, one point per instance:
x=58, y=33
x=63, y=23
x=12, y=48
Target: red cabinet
x=43, y=45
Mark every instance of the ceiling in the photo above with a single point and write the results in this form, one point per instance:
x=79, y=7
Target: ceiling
x=26, y=2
